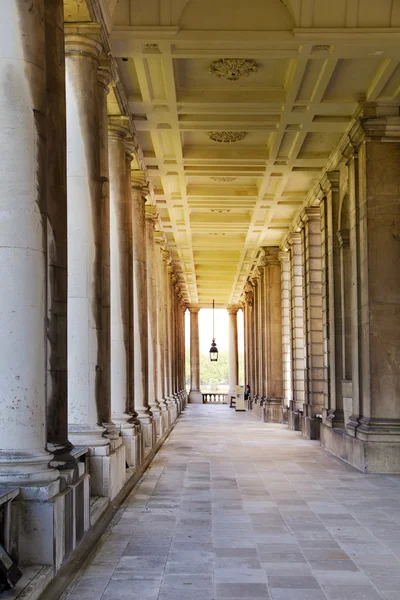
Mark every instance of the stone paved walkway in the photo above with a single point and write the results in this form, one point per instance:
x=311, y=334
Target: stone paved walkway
x=233, y=508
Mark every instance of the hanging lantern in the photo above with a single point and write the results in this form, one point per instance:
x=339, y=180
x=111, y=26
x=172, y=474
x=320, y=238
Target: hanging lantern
x=213, y=349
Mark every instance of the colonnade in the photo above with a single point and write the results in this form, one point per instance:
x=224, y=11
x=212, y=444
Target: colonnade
x=195, y=394
x=327, y=305
x=92, y=315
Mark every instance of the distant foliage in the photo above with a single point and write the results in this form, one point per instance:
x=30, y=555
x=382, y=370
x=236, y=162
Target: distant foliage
x=213, y=373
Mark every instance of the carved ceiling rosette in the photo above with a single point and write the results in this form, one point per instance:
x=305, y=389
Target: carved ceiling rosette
x=233, y=68
x=227, y=137
x=223, y=179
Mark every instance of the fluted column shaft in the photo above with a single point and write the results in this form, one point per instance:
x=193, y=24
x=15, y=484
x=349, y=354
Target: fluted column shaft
x=85, y=303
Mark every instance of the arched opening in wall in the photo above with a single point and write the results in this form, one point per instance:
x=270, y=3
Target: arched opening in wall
x=343, y=235
x=214, y=376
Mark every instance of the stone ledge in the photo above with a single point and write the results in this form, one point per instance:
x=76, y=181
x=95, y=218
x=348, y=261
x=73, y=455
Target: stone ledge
x=57, y=585
x=367, y=457
x=32, y=583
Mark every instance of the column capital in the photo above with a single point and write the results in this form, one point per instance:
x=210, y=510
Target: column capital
x=193, y=309
x=159, y=238
x=294, y=239
x=83, y=40
x=330, y=181
x=166, y=256
x=343, y=237
x=284, y=256
x=118, y=127
x=104, y=76
x=311, y=213
x=233, y=309
x=150, y=213
x=139, y=181
x=271, y=256
x=248, y=293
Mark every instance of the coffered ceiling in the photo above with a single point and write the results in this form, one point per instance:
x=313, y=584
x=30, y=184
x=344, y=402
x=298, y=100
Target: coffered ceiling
x=233, y=146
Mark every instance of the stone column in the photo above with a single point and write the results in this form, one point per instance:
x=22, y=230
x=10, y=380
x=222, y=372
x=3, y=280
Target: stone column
x=195, y=395
x=256, y=337
x=263, y=334
x=284, y=258
x=140, y=308
x=378, y=223
x=89, y=260
x=119, y=279
x=331, y=303
x=151, y=274
x=312, y=294
x=56, y=208
x=274, y=334
x=23, y=248
x=297, y=326
x=83, y=49
x=372, y=438
x=167, y=386
x=233, y=351
x=245, y=336
x=249, y=299
x=161, y=328
x=103, y=274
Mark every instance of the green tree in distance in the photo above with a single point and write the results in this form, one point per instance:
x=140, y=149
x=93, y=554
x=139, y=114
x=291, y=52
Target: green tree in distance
x=213, y=373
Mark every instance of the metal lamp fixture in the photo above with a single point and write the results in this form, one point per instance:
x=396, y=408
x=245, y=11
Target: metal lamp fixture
x=213, y=349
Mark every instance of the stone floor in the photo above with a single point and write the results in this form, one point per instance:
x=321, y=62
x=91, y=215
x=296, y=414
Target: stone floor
x=233, y=508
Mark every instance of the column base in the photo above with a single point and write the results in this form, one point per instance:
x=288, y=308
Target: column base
x=195, y=397
x=311, y=427
x=131, y=439
x=26, y=468
x=156, y=412
x=273, y=410
x=294, y=419
x=52, y=525
x=366, y=456
x=258, y=411
x=148, y=429
x=107, y=469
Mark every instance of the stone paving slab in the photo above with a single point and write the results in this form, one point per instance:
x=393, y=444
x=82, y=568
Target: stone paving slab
x=234, y=508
